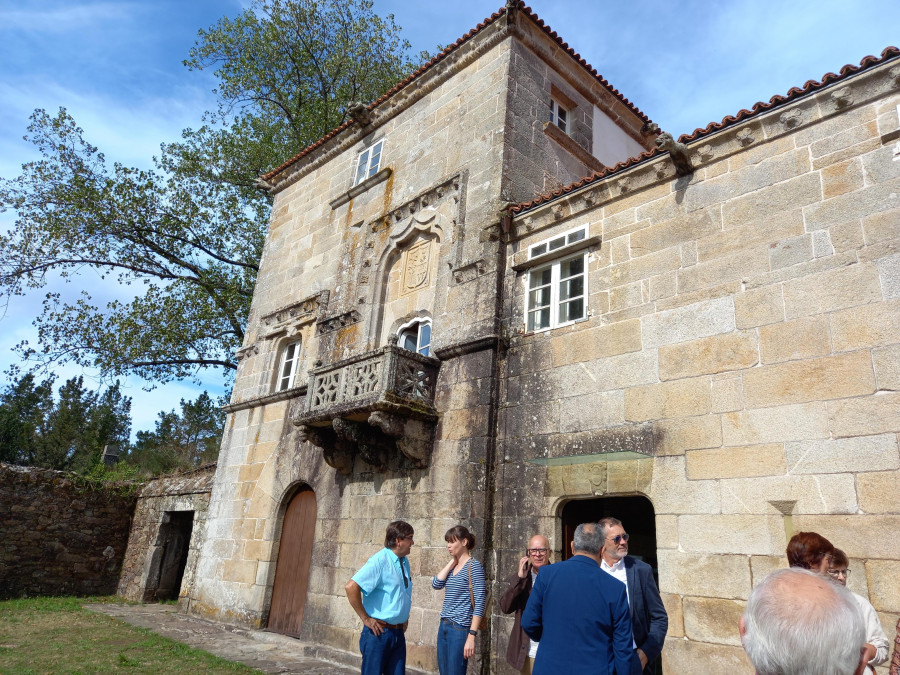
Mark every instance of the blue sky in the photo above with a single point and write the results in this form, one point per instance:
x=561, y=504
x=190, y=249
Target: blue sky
x=116, y=66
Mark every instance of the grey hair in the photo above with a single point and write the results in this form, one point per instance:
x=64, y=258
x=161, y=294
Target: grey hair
x=788, y=632
x=606, y=523
x=587, y=538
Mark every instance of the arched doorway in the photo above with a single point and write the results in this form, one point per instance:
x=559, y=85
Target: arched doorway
x=637, y=516
x=294, y=558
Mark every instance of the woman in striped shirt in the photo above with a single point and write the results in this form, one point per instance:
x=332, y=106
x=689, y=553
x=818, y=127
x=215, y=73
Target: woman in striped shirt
x=463, y=579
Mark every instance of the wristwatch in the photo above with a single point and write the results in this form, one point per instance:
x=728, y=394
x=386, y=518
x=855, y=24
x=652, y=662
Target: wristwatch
x=473, y=632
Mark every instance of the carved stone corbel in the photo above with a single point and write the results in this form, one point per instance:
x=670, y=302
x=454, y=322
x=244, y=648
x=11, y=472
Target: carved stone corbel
x=371, y=448
x=681, y=158
x=337, y=453
x=360, y=113
x=413, y=437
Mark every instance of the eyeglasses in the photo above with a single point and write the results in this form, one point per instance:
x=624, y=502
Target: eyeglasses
x=536, y=551
x=618, y=538
x=838, y=573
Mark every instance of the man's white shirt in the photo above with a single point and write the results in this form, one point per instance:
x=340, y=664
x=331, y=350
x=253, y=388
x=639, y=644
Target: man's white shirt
x=618, y=571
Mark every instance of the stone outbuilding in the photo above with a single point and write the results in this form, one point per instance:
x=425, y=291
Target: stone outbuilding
x=166, y=535
x=500, y=297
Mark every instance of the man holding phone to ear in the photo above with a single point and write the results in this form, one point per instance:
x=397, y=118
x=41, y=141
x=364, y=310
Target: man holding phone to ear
x=522, y=649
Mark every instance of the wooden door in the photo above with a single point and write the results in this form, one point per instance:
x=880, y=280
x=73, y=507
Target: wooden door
x=292, y=568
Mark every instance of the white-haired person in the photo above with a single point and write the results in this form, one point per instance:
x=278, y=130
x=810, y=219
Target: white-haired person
x=798, y=622
x=877, y=645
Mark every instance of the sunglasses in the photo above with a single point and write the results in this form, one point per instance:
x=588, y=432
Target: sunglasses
x=618, y=538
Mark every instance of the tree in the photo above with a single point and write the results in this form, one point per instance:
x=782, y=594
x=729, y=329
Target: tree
x=67, y=434
x=23, y=407
x=180, y=441
x=187, y=235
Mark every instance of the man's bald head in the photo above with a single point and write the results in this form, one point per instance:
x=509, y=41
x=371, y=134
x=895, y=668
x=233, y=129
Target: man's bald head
x=798, y=622
x=538, y=551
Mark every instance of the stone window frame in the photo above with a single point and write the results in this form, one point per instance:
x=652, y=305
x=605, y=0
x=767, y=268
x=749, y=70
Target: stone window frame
x=289, y=353
x=570, y=245
x=406, y=331
x=368, y=162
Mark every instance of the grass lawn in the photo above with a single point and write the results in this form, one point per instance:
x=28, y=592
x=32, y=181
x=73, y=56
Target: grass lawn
x=55, y=635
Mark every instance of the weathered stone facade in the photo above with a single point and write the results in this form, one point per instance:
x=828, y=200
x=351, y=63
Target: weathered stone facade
x=61, y=535
x=736, y=361
x=166, y=535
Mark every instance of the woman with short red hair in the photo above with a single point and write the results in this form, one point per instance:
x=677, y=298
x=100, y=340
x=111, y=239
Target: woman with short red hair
x=810, y=551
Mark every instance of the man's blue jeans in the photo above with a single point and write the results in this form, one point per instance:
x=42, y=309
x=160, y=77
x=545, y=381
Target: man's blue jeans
x=450, y=643
x=383, y=654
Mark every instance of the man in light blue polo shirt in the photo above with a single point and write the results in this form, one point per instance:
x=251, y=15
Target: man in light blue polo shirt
x=381, y=595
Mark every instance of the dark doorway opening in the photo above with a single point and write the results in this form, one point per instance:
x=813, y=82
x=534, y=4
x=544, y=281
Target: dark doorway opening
x=292, y=569
x=637, y=516
x=175, y=539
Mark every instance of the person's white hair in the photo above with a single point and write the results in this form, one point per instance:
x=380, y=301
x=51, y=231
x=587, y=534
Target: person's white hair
x=799, y=623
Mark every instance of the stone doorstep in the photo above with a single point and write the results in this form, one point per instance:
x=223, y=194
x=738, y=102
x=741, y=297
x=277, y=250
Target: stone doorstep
x=260, y=649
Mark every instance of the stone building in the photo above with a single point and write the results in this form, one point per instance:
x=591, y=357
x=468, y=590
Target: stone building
x=166, y=535
x=490, y=298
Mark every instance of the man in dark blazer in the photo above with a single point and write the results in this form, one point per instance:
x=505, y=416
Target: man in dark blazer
x=579, y=614
x=648, y=615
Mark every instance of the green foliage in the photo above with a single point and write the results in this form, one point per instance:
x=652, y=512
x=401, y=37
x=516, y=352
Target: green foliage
x=24, y=405
x=66, y=434
x=288, y=71
x=187, y=236
x=192, y=245
x=180, y=441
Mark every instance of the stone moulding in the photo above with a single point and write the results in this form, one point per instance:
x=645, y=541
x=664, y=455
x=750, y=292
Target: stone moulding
x=332, y=323
x=284, y=395
x=358, y=189
x=371, y=405
x=294, y=314
x=572, y=146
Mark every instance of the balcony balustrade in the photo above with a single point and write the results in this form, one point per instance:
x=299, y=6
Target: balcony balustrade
x=372, y=405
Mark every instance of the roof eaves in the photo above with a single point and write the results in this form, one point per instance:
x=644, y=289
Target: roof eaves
x=392, y=91
x=443, y=55
x=809, y=87
x=584, y=64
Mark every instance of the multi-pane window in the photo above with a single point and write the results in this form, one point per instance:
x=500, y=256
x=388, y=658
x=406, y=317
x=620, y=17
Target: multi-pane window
x=558, y=115
x=557, y=294
x=557, y=242
x=416, y=336
x=290, y=360
x=368, y=162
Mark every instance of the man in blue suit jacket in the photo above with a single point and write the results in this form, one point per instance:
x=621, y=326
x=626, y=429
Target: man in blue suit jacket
x=580, y=615
x=648, y=615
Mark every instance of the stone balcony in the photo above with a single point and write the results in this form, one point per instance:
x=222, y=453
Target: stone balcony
x=371, y=405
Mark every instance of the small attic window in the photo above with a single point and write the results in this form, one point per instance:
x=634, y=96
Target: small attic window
x=559, y=115
x=368, y=162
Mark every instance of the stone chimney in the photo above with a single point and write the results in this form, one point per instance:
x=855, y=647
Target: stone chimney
x=110, y=455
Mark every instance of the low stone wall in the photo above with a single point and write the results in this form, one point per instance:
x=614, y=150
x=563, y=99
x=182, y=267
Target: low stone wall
x=60, y=535
x=159, y=501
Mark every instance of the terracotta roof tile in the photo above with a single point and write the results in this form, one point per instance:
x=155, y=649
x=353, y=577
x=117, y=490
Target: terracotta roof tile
x=444, y=54
x=793, y=93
